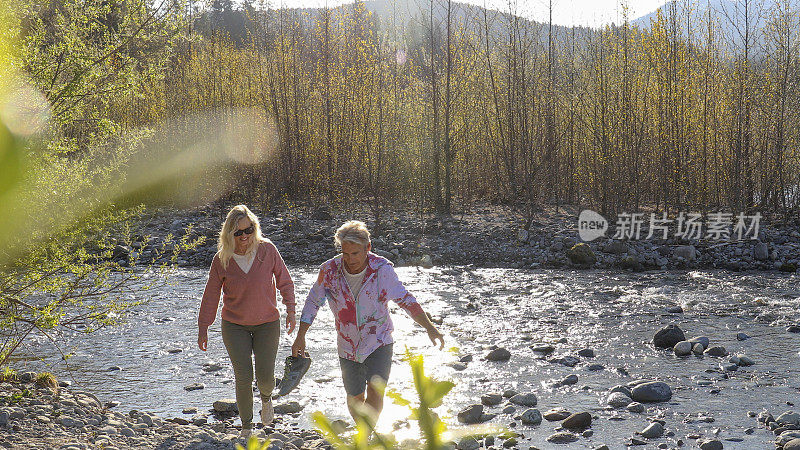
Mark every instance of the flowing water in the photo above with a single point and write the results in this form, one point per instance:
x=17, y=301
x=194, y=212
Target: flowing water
x=616, y=314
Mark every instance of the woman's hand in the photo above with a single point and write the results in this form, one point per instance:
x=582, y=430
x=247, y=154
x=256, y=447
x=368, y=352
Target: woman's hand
x=434, y=334
x=291, y=322
x=202, y=339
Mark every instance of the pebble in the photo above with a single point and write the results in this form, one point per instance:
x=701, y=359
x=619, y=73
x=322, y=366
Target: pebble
x=742, y=336
x=596, y=367
x=793, y=328
x=788, y=418
x=682, y=348
x=654, y=430
x=545, y=349
x=698, y=349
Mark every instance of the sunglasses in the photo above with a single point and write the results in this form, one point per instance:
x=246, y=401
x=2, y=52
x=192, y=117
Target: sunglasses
x=248, y=230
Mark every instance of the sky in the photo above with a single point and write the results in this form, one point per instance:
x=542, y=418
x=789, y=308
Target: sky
x=591, y=13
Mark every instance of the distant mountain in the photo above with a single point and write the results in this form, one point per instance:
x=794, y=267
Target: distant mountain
x=728, y=19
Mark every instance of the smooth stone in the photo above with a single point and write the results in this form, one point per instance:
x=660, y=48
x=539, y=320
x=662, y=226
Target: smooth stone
x=508, y=393
x=70, y=422
x=509, y=410
x=531, y=417
x=596, y=367
x=465, y=359
x=675, y=309
x=562, y=438
x=710, y=444
x=621, y=388
x=190, y=410
x=618, y=400
x=654, y=430
x=225, y=405
x=788, y=418
x=458, y=366
x=491, y=399
x=471, y=414
x=114, y=368
x=654, y=391
x=569, y=380
x=793, y=328
x=668, y=336
x=524, y=399
x=586, y=353
x=211, y=367
x=499, y=354
x=730, y=367
x=682, y=348
x=635, y=407
x=577, y=421
x=587, y=433
x=742, y=336
x=288, y=408
x=698, y=349
x=553, y=415
x=745, y=361
x=794, y=444
x=543, y=348
x=703, y=340
x=717, y=350
x=467, y=443
x=786, y=437
x=569, y=361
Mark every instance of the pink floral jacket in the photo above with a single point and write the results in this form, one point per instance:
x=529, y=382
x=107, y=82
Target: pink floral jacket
x=362, y=324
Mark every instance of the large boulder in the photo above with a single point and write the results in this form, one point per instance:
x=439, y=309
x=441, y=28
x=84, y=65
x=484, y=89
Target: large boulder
x=581, y=254
x=668, y=336
x=686, y=252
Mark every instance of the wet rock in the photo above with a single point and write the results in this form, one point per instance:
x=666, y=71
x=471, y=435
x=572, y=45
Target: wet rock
x=569, y=361
x=465, y=359
x=544, y=349
x=581, y=254
x=491, y=399
x=709, y=444
x=794, y=444
x=471, y=414
x=190, y=410
x=635, y=407
x=702, y=340
x=586, y=353
x=633, y=442
x=211, y=367
x=793, y=328
x=788, y=418
x=577, y=421
x=717, y=350
x=742, y=337
x=760, y=251
x=509, y=410
x=468, y=443
x=652, y=431
x=225, y=405
x=562, y=438
x=194, y=386
x=744, y=361
x=288, y=408
x=531, y=417
x=682, y=348
x=786, y=437
x=654, y=391
x=458, y=366
x=668, y=336
x=528, y=399
x=554, y=415
x=71, y=422
x=595, y=367
x=618, y=400
x=675, y=309
x=569, y=380
x=729, y=367
x=508, y=393
x=499, y=354
x=765, y=417
x=698, y=349
x=621, y=388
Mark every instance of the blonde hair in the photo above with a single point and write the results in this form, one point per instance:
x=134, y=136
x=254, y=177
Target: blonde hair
x=226, y=243
x=353, y=231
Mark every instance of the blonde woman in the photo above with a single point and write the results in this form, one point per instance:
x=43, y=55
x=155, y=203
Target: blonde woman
x=247, y=269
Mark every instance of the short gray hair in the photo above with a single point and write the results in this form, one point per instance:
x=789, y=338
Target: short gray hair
x=353, y=231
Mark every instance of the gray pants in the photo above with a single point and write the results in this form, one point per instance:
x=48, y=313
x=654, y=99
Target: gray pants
x=243, y=341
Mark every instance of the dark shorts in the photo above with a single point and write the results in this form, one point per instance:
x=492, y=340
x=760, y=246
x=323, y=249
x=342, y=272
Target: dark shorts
x=355, y=375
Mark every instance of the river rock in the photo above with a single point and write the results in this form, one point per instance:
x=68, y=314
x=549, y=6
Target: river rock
x=635, y=407
x=698, y=349
x=760, y=251
x=288, y=408
x=531, y=417
x=686, y=252
x=709, y=444
x=744, y=361
x=586, y=353
x=467, y=443
x=682, y=348
x=618, y=400
x=621, y=388
x=554, y=415
x=668, y=336
x=569, y=361
x=716, y=350
x=742, y=337
x=194, y=386
x=225, y=405
x=654, y=430
x=794, y=444
x=577, y=421
x=528, y=399
x=793, y=328
x=211, y=367
x=595, y=367
x=581, y=254
x=786, y=437
x=499, y=354
x=788, y=418
x=471, y=414
x=544, y=349
x=562, y=438
x=569, y=380
x=702, y=340
x=675, y=309
x=654, y=391
x=491, y=399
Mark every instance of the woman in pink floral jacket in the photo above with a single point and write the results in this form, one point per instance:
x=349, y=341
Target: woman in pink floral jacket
x=358, y=285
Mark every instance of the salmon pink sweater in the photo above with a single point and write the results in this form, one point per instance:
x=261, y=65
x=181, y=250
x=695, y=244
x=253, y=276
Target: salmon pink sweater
x=247, y=298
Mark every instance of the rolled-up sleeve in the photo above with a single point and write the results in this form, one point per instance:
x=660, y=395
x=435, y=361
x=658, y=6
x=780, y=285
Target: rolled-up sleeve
x=283, y=281
x=210, y=301
x=398, y=293
x=315, y=300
